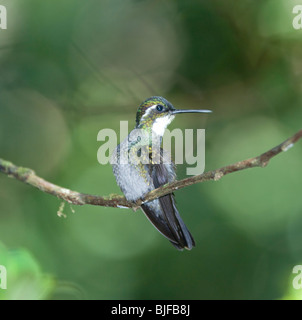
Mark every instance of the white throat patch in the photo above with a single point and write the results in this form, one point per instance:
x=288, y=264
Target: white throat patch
x=160, y=124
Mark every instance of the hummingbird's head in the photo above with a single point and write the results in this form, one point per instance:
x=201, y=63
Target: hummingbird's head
x=157, y=113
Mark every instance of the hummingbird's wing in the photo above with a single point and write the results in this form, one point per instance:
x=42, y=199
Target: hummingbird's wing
x=163, y=213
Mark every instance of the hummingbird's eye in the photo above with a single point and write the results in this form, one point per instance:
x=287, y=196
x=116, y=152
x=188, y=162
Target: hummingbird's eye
x=159, y=108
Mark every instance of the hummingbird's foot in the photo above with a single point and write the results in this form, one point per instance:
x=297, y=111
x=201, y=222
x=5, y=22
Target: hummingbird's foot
x=135, y=207
x=136, y=204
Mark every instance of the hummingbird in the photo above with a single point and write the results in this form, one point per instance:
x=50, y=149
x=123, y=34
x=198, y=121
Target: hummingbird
x=140, y=165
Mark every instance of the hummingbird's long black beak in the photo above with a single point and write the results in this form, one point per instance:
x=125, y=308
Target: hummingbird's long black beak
x=177, y=111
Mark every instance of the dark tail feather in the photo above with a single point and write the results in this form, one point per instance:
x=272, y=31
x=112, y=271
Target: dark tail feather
x=190, y=243
x=163, y=214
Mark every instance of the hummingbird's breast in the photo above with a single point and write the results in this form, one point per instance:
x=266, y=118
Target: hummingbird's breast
x=132, y=163
x=132, y=180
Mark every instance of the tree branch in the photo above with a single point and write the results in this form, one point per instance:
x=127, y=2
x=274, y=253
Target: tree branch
x=29, y=176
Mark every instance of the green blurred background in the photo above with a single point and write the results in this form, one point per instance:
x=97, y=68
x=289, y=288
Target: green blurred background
x=70, y=68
